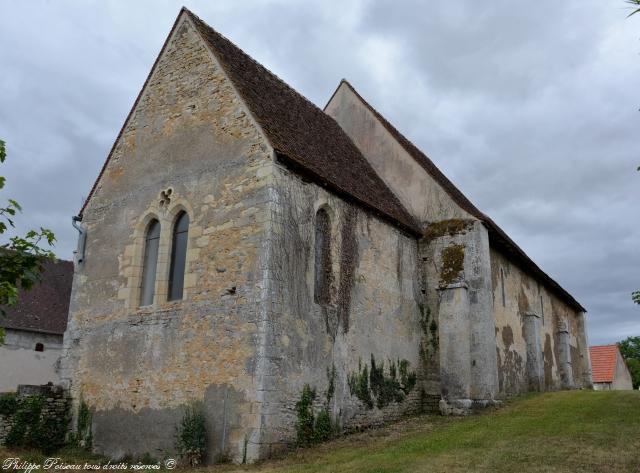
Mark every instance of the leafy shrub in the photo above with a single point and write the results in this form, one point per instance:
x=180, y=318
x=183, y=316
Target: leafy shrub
x=369, y=385
x=8, y=404
x=191, y=435
x=323, y=428
x=34, y=429
x=306, y=421
x=83, y=437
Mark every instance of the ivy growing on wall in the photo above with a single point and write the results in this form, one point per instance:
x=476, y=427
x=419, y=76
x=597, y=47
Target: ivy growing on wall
x=8, y=404
x=83, y=437
x=310, y=427
x=429, y=327
x=35, y=427
x=372, y=386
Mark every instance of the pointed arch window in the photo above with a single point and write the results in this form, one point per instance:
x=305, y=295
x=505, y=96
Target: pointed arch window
x=178, y=256
x=323, y=274
x=151, y=244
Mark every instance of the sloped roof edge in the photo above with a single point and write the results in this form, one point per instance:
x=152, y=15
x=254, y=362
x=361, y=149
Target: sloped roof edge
x=497, y=236
x=310, y=141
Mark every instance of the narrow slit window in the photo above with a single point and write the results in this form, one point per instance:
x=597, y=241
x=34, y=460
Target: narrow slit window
x=150, y=263
x=542, y=309
x=504, y=299
x=322, y=258
x=178, y=256
x=39, y=347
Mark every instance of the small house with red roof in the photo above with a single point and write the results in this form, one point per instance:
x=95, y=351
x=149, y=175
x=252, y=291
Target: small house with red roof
x=34, y=329
x=609, y=370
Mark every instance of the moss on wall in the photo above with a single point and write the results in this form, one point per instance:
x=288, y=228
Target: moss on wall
x=452, y=264
x=449, y=227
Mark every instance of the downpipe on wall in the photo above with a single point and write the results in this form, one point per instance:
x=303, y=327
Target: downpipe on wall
x=82, y=237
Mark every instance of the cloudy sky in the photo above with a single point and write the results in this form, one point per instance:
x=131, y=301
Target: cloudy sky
x=531, y=108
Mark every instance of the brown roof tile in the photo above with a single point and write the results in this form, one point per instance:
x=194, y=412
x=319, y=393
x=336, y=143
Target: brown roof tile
x=303, y=135
x=497, y=236
x=45, y=307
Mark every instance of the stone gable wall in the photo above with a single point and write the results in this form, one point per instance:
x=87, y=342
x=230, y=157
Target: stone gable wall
x=137, y=367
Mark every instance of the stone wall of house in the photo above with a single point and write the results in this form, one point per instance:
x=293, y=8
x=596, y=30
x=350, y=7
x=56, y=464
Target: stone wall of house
x=541, y=344
x=189, y=145
x=373, y=310
x=55, y=406
x=22, y=364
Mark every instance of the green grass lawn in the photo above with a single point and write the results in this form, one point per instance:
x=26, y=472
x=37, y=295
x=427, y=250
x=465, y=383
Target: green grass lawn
x=577, y=431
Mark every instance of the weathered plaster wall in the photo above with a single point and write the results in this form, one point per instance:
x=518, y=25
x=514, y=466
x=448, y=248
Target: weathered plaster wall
x=524, y=295
x=21, y=364
x=374, y=308
x=415, y=188
x=138, y=367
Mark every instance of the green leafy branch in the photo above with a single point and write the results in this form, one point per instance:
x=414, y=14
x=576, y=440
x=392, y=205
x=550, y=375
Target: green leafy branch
x=22, y=257
x=634, y=4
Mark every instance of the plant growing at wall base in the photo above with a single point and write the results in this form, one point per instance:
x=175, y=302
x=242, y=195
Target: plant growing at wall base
x=191, y=435
x=310, y=427
x=34, y=428
x=359, y=385
x=374, y=387
x=305, y=417
x=8, y=404
x=83, y=437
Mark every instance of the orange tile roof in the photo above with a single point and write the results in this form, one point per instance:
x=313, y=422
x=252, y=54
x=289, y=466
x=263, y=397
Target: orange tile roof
x=603, y=362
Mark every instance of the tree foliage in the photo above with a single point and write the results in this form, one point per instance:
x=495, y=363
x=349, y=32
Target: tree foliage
x=635, y=4
x=630, y=347
x=21, y=257
x=630, y=351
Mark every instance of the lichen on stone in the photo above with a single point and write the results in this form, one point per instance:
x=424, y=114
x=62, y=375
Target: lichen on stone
x=451, y=227
x=452, y=264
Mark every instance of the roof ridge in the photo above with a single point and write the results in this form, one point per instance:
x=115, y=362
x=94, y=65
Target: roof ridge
x=459, y=198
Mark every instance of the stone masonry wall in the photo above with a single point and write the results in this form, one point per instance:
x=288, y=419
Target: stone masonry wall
x=374, y=309
x=524, y=295
x=138, y=367
x=56, y=404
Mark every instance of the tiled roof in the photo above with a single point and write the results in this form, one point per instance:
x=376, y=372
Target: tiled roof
x=603, y=363
x=305, y=139
x=497, y=236
x=302, y=134
x=45, y=307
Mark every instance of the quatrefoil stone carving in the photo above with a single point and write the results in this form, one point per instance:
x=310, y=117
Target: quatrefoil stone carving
x=165, y=197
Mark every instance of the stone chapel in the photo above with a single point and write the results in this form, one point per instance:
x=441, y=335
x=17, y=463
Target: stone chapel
x=240, y=243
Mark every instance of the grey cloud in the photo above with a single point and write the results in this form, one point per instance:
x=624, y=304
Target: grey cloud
x=531, y=111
